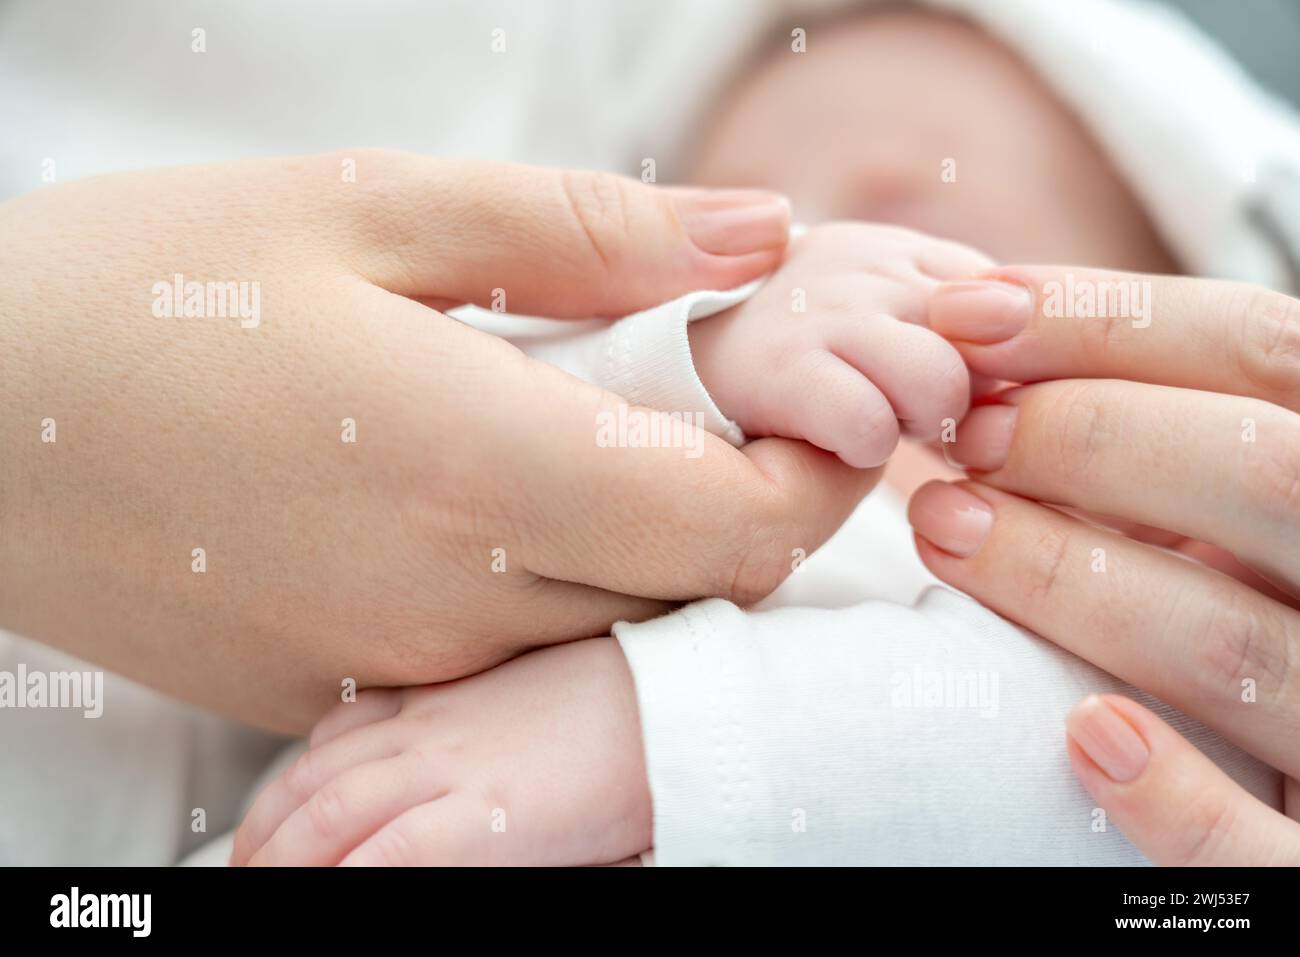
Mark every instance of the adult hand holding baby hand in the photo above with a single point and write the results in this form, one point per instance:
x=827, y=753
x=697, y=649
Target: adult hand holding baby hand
x=249, y=508
x=1171, y=406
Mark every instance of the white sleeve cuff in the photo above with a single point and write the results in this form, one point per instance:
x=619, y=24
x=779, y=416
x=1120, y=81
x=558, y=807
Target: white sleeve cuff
x=873, y=734
x=646, y=358
x=685, y=686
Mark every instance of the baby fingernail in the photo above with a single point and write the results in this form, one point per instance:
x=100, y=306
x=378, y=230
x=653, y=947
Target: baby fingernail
x=983, y=439
x=950, y=518
x=982, y=311
x=733, y=222
x=1108, y=739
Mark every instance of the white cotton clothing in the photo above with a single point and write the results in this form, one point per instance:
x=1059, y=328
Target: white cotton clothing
x=645, y=358
x=879, y=733
x=88, y=88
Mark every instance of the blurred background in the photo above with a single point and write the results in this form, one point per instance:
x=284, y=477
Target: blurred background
x=1263, y=34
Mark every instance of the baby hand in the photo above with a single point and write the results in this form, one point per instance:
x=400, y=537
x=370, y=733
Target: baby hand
x=538, y=761
x=834, y=348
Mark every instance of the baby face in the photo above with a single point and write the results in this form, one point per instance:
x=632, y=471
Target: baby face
x=925, y=121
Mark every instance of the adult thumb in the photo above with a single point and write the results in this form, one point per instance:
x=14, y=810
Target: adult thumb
x=560, y=243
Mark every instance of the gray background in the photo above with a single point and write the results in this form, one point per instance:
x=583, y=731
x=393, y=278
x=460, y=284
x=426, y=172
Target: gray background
x=1264, y=35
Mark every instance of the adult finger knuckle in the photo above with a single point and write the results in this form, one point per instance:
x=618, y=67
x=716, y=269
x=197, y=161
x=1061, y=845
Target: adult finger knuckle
x=1046, y=557
x=601, y=207
x=758, y=555
x=1271, y=471
x=1266, y=326
x=1209, y=824
x=1109, y=329
x=1237, y=641
x=1077, y=417
x=756, y=569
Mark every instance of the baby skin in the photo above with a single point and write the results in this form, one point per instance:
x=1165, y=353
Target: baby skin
x=535, y=762
x=832, y=349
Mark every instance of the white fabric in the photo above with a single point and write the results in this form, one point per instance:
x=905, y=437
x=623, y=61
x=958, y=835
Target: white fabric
x=1200, y=144
x=645, y=357
x=88, y=88
x=874, y=734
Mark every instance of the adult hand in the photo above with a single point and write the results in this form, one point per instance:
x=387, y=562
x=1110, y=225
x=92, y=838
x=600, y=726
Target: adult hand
x=473, y=516
x=1177, y=421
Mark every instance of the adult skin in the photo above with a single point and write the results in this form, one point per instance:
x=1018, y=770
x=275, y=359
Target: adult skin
x=1184, y=429
x=372, y=560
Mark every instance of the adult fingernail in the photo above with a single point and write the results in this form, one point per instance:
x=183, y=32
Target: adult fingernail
x=1108, y=739
x=983, y=438
x=733, y=222
x=981, y=311
x=950, y=518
